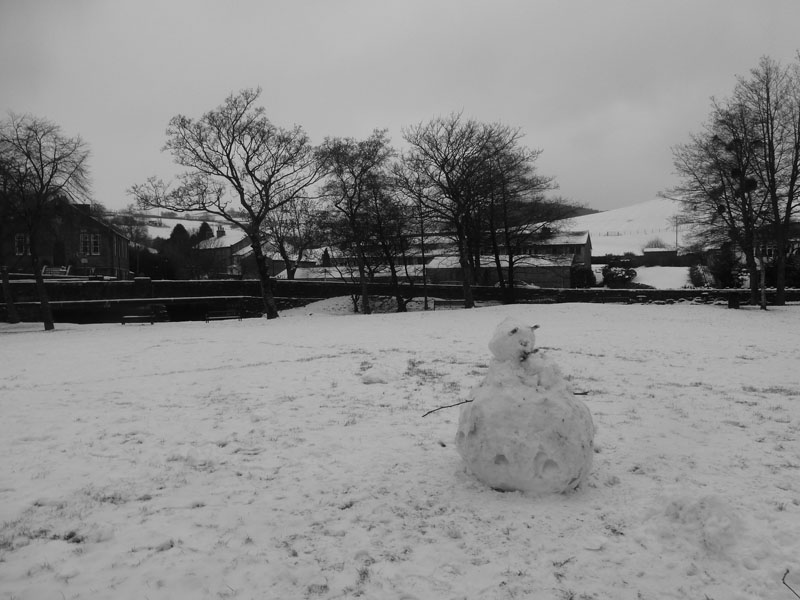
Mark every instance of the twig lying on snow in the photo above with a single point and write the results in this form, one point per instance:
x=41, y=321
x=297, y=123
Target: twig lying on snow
x=443, y=407
x=787, y=585
x=467, y=401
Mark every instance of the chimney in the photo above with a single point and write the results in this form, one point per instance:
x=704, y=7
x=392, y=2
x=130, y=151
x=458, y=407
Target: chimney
x=220, y=231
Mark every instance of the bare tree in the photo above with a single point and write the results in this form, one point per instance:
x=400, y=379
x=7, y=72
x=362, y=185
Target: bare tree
x=40, y=166
x=719, y=192
x=419, y=219
x=291, y=230
x=448, y=157
x=390, y=227
x=129, y=224
x=354, y=169
x=240, y=167
x=6, y=231
x=518, y=213
x=474, y=178
x=771, y=96
x=741, y=174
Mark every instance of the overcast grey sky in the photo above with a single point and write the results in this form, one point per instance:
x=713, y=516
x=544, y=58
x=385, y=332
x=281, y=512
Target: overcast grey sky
x=604, y=87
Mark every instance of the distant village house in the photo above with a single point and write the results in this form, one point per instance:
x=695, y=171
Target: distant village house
x=70, y=238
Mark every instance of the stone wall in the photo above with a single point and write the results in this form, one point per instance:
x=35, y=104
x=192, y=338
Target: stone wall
x=84, y=301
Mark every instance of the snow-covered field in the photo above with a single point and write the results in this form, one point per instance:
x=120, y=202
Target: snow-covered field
x=660, y=278
x=663, y=278
x=289, y=459
x=632, y=228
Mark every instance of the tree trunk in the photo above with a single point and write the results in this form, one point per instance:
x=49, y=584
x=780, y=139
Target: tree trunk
x=752, y=271
x=424, y=258
x=475, y=264
x=762, y=279
x=498, y=264
x=362, y=276
x=466, y=272
x=780, y=265
x=780, y=279
x=270, y=308
x=8, y=297
x=44, y=301
x=288, y=263
x=387, y=253
x=512, y=286
x=505, y=289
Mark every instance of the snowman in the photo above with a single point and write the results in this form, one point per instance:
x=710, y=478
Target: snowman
x=524, y=429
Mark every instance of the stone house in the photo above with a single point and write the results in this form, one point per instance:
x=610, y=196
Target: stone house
x=222, y=256
x=70, y=237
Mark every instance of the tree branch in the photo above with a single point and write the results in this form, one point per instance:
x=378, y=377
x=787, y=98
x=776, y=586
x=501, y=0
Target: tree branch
x=448, y=406
x=787, y=585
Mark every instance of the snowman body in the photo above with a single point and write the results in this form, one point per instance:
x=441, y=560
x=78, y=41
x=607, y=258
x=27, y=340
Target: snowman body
x=524, y=429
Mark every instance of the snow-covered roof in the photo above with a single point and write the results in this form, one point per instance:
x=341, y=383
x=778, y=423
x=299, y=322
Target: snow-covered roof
x=312, y=273
x=230, y=238
x=452, y=261
x=541, y=261
x=657, y=250
x=444, y=262
x=567, y=238
x=313, y=255
x=346, y=271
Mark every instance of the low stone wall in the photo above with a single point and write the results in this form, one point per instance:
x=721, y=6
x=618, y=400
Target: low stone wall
x=87, y=301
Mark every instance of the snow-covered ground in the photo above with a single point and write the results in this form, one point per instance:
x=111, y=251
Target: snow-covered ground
x=290, y=459
x=660, y=278
x=663, y=278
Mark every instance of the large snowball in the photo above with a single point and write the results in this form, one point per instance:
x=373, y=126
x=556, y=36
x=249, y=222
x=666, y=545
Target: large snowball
x=524, y=429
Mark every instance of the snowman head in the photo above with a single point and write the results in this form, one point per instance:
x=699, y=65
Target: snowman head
x=513, y=341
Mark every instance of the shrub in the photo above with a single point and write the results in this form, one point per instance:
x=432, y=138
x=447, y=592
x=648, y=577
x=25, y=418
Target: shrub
x=618, y=275
x=583, y=277
x=656, y=242
x=699, y=276
x=792, y=272
x=724, y=268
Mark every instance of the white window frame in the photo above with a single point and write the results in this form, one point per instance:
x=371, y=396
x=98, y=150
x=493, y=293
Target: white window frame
x=22, y=244
x=90, y=244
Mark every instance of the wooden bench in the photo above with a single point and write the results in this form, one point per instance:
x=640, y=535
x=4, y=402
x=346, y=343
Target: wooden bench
x=448, y=304
x=55, y=271
x=150, y=314
x=221, y=315
x=613, y=299
x=540, y=300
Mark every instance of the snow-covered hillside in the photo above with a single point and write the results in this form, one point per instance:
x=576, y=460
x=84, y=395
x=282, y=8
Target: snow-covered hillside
x=162, y=226
x=616, y=231
x=629, y=229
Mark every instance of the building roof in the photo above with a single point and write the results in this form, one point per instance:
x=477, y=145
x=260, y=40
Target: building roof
x=452, y=261
x=566, y=238
x=231, y=238
x=246, y=250
x=85, y=210
x=659, y=251
x=316, y=273
x=542, y=261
